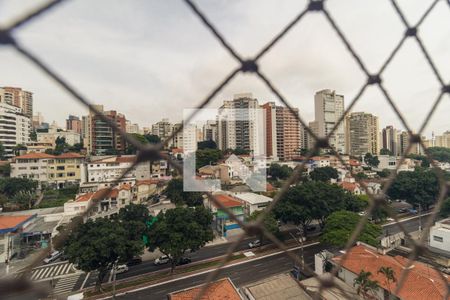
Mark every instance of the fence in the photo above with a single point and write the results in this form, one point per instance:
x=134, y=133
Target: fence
x=251, y=65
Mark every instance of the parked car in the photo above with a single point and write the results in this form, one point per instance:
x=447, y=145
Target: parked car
x=184, y=261
x=52, y=257
x=121, y=269
x=413, y=211
x=254, y=244
x=134, y=261
x=402, y=210
x=161, y=260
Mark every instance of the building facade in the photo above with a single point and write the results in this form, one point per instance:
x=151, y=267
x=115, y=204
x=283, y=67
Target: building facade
x=329, y=108
x=362, y=134
x=73, y=123
x=390, y=139
x=53, y=133
x=19, y=98
x=163, y=129
x=15, y=128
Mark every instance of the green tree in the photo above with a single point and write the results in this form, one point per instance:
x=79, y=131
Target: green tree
x=60, y=145
x=384, y=173
x=278, y=172
x=97, y=245
x=440, y=153
x=389, y=275
x=131, y=149
x=417, y=187
x=324, y=174
x=12, y=186
x=371, y=160
x=5, y=170
x=445, y=209
x=177, y=195
x=180, y=229
x=340, y=225
x=361, y=175
x=134, y=218
x=378, y=214
x=77, y=147
x=364, y=284
x=33, y=135
x=152, y=138
x=385, y=151
x=207, y=156
x=312, y=200
x=237, y=151
x=206, y=145
x=269, y=222
x=24, y=199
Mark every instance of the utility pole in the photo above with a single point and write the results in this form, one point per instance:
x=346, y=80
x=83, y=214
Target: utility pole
x=302, y=258
x=420, y=221
x=114, y=279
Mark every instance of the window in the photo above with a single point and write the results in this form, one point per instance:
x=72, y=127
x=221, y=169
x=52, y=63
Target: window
x=71, y=174
x=59, y=175
x=34, y=168
x=22, y=168
x=438, y=238
x=60, y=168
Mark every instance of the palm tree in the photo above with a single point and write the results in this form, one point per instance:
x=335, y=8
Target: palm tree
x=389, y=273
x=365, y=284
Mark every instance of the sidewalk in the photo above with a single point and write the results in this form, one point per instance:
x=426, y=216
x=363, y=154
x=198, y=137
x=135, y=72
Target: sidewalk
x=16, y=265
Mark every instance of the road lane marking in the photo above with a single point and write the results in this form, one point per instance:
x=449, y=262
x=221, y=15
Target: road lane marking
x=84, y=281
x=405, y=220
x=211, y=270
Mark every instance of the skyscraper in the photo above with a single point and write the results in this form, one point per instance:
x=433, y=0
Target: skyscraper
x=362, y=134
x=19, y=98
x=240, y=125
x=73, y=123
x=390, y=139
x=162, y=129
x=15, y=126
x=329, y=108
x=102, y=138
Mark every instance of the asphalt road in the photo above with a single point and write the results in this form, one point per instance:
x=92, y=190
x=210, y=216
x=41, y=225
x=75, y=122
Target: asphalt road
x=246, y=272
x=215, y=251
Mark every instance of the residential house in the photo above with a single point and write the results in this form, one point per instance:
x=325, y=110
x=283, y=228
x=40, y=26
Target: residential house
x=423, y=282
x=143, y=189
x=352, y=187
x=79, y=205
x=252, y=202
x=440, y=236
x=221, y=172
x=222, y=222
x=222, y=289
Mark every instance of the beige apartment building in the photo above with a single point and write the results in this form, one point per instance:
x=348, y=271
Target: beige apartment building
x=362, y=134
x=57, y=170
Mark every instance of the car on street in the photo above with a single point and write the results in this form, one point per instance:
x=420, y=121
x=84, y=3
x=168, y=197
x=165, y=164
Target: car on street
x=161, y=260
x=121, y=269
x=134, y=261
x=413, y=211
x=184, y=261
x=254, y=244
x=401, y=210
x=52, y=257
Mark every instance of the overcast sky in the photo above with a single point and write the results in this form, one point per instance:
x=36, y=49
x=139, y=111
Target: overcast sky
x=150, y=59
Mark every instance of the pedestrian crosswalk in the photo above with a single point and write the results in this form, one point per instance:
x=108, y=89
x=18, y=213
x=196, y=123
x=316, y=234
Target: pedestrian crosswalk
x=66, y=284
x=50, y=271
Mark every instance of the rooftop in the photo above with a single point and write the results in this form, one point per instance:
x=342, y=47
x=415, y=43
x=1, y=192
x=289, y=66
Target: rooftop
x=422, y=283
x=278, y=287
x=253, y=198
x=45, y=155
x=219, y=290
x=11, y=223
x=227, y=201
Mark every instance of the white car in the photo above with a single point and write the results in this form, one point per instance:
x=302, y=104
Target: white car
x=162, y=260
x=52, y=257
x=121, y=269
x=254, y=244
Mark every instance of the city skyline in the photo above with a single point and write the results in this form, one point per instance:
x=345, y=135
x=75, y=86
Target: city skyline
x=159, y=78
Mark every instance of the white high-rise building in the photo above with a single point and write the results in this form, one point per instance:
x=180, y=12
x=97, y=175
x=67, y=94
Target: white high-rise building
x=131, y=127
x=15, y=127
x=189, y=138
x=329, y=108
x=241, y=125
x=210, y=131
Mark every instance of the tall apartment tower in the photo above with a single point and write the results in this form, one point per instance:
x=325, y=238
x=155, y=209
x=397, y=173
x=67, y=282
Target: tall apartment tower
x=19, y=98
x=362, y=134
x=210, y=131
x=102, y=138
x=73, y=123
x=16, y=127
x=282, y=131
x=389, y=139
x=240, y=125
x=329, y=108
x=162, y=129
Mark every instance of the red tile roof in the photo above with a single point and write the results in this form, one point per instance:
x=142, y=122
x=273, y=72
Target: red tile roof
x=219, y=290
x=125, y=159
x=7, y=222
x=105, y=193
x=147, y=181
x=422, y=283
x=354, y=163
x=177, y=150
x=84, y=197
x=70, y=155
x=34, y=156
x=227, y=201
x=349, y=186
